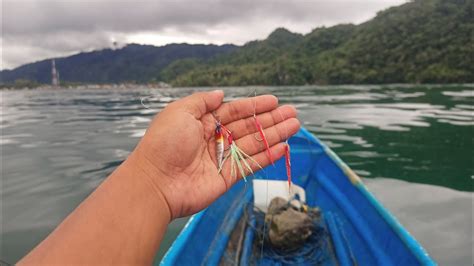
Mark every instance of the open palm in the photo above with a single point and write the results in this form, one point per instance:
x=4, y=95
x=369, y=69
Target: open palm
x=178, y=151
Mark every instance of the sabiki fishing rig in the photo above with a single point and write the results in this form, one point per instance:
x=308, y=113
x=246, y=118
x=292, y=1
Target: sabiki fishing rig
x=267, y=146
x=238, y=158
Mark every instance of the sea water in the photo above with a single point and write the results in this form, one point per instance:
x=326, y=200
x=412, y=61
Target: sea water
x=412, y=145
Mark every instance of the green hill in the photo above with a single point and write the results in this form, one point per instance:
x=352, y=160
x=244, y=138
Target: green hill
x=423, y=41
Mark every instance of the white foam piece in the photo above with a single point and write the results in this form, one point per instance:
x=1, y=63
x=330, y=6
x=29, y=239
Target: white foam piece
x=265, y=190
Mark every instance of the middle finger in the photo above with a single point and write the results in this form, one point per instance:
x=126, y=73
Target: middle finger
x=243, y=127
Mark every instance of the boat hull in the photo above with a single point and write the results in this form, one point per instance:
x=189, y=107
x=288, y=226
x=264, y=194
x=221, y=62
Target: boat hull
x=362, y=231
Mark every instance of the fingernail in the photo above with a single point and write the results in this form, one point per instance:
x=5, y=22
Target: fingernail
x=218, y=92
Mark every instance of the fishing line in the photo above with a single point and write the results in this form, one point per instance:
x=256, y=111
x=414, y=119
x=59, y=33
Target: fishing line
x=267, y=179
x=237, y=163
x=311, y=252
x=270, y=156
x=264, y=222
x=237, y=156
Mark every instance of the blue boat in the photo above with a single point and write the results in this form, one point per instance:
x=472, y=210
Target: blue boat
x=361, y=230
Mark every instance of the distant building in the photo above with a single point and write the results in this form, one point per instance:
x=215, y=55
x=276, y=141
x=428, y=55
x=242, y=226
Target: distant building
x=54, y=74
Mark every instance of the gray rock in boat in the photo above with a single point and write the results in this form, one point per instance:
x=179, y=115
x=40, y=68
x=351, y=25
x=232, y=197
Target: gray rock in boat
x=289, y=228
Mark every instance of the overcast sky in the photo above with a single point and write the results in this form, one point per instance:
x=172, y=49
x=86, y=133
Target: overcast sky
x=37, y=29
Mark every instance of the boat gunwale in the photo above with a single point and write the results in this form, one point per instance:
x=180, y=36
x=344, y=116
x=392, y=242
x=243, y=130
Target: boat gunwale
x=410, y=242
x=182, y=238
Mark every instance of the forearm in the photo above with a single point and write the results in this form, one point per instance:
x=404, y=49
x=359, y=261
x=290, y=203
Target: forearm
x=122, y=221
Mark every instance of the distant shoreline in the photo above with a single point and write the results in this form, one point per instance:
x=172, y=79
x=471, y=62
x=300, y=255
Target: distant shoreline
x=126, y=86
x=160, y=85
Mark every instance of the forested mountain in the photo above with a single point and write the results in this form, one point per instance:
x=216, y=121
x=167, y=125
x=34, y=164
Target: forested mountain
x=422, y=41
x=132, y=63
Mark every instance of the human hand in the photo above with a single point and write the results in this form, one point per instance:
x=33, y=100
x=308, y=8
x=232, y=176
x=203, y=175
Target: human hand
x=178, y=152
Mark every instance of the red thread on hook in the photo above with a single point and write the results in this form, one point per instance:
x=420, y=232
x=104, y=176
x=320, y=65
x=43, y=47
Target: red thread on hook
x=262, y=135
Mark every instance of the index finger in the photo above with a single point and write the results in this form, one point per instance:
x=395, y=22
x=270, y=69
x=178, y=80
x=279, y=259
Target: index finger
x=243, y=108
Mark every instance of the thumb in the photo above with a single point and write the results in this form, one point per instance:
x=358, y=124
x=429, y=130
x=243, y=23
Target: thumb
x=201, y=103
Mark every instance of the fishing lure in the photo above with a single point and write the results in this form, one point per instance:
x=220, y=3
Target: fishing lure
x=288, y=163
x=238, y=158
x=219, y=137
x=264, y=139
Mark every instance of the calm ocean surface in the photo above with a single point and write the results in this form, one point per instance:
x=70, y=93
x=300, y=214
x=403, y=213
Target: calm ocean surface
x=413, y=145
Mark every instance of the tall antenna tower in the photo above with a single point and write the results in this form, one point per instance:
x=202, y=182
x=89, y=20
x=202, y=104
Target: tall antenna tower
x=54, y=74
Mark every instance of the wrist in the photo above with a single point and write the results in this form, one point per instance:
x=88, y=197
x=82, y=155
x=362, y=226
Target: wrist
x=138, y=167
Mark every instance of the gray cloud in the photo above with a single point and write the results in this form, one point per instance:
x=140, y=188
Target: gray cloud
x=37, y=29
